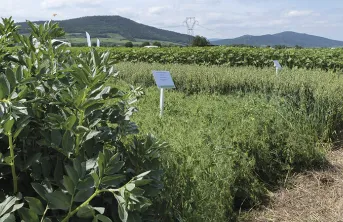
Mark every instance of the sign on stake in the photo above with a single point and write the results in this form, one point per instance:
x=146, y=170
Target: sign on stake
x=277, y=66
x=163, y=81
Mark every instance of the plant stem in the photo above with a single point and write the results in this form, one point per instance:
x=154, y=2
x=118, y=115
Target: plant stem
x=14, y=175
x=70, y=214
x=46, y=209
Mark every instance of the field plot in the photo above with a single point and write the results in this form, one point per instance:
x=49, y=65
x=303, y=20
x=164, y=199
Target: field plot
x=235, y=133
x=324, y=59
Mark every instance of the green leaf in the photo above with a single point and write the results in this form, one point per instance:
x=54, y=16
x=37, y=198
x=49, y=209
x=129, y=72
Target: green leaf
x=81, y=129
x=123, y=215
x=96, y=179
x=7, y=204
x=92, y=134
x=68, y=142
x=31, y=160
x=58, y=172
x=115, y=168
x=114, y=180
x=40, y=189
x=86, y=212
x=85, y=184
x=35, y=205
x=22, y=123
x=103, y=218
x=83, y=195
x=70, y=122
x=58, y=200
x=69, y=185
x=72, y=174
x=11, y=78
x=28, y=215
x=5, y=87
x=7, y=218
x=47, y=220
x=56, y=137
x=130, y=186
x=19, y=73
x=143, y=174
x=101, y=210
x=101, y=164
x=78, y=167
x=142, y=182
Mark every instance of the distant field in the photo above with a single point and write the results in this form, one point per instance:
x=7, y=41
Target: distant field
x=325, y=59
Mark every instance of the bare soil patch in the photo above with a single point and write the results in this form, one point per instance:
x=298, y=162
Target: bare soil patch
x=313, y=196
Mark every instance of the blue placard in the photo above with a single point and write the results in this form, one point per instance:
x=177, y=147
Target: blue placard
x=277, y=64
x=163, y=79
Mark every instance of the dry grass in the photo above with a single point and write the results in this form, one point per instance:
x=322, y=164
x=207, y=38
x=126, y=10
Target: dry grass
x=314, y=196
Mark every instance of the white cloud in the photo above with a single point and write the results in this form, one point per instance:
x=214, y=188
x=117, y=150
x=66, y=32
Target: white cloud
x=53, y=4
x=157, y=10
x=299, y=13
x=218, y=18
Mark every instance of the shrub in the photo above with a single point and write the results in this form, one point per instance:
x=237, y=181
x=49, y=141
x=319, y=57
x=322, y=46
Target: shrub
x=145, y=44
x=67, y=145
x=129, y=44
x=157, y=44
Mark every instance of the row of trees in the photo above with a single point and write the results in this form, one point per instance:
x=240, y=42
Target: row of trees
x=198, y=41
x=156, y=43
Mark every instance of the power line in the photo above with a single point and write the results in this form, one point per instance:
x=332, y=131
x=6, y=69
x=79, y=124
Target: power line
x=170, y=27
x=190, y=24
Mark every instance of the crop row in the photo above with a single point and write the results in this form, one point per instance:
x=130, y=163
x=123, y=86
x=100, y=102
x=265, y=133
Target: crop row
x=325, y=59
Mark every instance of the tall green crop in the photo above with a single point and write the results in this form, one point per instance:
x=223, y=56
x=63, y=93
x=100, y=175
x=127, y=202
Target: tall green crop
x=324, y=59
x=68, y=150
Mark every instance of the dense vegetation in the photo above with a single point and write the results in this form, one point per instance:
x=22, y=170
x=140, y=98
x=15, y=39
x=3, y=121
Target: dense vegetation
x=235, y=133
x=103, y=26
x=325, y=59
x=68, y=150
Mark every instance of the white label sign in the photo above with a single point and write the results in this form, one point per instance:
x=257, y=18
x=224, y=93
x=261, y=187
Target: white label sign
x=163, y=79
x=277, y=64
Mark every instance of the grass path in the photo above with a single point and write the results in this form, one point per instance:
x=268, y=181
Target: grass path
x=314, y=196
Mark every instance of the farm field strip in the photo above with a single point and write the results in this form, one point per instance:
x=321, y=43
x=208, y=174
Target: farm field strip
x=324, y=59
x=234, y=132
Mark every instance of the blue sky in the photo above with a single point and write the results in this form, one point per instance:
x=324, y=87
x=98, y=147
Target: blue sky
x=217, y=18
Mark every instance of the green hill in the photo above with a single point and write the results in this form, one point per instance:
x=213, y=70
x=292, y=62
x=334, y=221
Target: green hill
x=114, y=29
x=283, y=38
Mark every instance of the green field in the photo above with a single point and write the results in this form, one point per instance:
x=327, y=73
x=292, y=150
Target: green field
x=234, y=133
x=73, y=147
x=324, y=59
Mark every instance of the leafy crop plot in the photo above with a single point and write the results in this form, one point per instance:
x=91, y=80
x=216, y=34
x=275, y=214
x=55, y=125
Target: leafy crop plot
x=235, y=133
x=325, y=59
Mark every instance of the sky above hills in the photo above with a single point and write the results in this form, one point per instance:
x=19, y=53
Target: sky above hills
x=217, y=18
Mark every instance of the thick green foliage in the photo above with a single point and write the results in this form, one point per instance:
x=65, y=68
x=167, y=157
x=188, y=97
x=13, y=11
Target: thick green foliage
x=226, y=151
x=200, y=41
x=317, y=93
x=235, y=132
x=67, y=145
x=325, y=59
